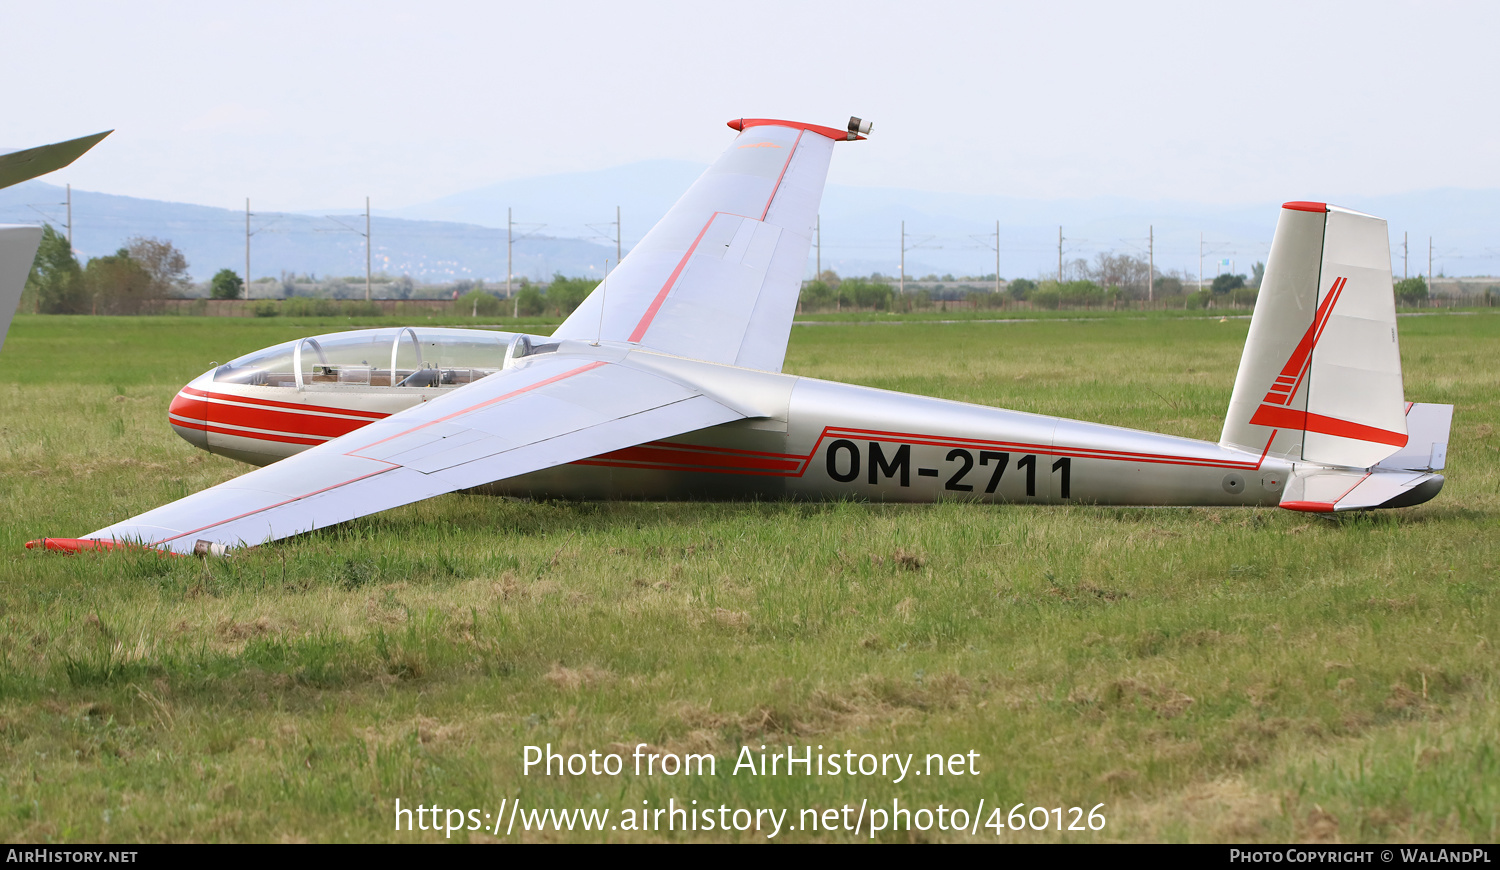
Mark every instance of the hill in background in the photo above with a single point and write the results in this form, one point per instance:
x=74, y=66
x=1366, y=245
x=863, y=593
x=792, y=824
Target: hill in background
x=565, y=223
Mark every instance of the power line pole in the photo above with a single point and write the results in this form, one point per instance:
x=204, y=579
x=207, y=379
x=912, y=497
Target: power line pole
x=1405, y=256
x=997, y=256
x=818, y=263
x=247, y=247
x=1151, y=263
x=508, y=242
x=902, y=276
x=617, y=241
x=70, y=218
x=367, y=249
x=1200, y=261
x=1431, y=288
x=1059, y=255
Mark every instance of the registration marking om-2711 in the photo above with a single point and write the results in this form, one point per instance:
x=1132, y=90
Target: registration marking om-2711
x=845, y=461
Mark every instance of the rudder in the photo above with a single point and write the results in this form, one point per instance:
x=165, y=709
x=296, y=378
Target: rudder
x=1320, y=377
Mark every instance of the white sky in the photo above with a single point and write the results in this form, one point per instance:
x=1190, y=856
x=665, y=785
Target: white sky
x=308, y=104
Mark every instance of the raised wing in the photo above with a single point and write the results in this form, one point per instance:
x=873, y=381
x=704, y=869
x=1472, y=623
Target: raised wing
x=547, y=410
x=718, y=278
x=19, y=166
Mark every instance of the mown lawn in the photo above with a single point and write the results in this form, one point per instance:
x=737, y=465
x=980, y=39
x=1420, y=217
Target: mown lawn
x=1206, y=674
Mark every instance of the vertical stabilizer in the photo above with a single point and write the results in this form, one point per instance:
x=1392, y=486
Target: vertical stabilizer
x=17, y=251
x=1320, y=378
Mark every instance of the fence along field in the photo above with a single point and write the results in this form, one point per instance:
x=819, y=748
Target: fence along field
x=1223, y=675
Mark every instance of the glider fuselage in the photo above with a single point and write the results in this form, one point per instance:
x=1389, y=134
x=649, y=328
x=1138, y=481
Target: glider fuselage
x=804, y=439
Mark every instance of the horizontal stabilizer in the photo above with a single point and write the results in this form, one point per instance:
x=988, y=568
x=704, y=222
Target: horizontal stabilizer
x=1325, y=490
x=1427, y=439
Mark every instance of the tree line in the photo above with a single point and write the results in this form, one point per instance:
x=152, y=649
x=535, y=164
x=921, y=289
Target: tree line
x=145, y=270
x=128, y=281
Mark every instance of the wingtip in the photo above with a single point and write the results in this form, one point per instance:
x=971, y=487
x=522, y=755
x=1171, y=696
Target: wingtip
x=856, y=126
x=1309, y=507
x=81, y=545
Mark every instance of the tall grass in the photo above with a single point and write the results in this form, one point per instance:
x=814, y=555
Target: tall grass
x=1207, y=674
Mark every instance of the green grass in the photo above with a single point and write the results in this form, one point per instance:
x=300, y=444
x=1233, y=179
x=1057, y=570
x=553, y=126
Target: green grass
x=1208, y=674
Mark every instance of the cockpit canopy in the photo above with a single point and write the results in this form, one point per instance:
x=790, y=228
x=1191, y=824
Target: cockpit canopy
x=396, y=357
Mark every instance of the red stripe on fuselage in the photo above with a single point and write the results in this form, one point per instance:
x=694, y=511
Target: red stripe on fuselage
x=284, y=421
x=293, y=406
x=257, y=436
x=674, y=457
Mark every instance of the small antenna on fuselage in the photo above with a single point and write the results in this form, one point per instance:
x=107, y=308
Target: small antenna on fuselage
x=603, y=288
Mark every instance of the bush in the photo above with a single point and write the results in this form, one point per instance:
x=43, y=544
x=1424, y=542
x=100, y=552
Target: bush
x=226, y=284
x=566, y=294
x=866, y=294
x=529, y=302
x=55, y=285
x=1197, y=300
x=302, y=306
x=1243, y=296
x=1411, y=291
x=267, y=308
x=818, y=296
x=117, y=284
x=1046, y=296
x=1021, y=289
x=1085, y=293
x=985, y=299
x=478, y=302
x=1226, y=283
x=360, y=308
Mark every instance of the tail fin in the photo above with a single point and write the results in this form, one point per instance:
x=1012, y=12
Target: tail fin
x=17, y=251
x=1320, y=379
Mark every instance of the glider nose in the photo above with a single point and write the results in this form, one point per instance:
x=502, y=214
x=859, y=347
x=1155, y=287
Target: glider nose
x=188, y=414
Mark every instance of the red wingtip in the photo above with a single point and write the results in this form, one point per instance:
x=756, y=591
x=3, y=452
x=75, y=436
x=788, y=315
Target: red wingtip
x=746, y=123
x=1311, y=507
x=79, y=545
x=1299, y=205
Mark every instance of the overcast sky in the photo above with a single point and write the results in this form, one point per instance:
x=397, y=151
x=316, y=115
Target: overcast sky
x=311, y=105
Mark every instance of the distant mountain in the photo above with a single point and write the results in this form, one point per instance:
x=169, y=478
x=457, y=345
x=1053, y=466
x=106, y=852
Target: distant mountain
x=862, y=225
x=463, y=235
x=214, y=239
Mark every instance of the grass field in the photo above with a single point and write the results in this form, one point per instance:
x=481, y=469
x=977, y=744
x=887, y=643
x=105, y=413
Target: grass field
x=1205, y=674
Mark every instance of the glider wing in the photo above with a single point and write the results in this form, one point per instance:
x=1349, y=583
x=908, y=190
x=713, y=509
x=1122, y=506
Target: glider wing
x=19, y=166
x=546, y=410
x=718, y=278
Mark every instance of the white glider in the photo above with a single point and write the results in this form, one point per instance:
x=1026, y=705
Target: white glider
x=666, y=383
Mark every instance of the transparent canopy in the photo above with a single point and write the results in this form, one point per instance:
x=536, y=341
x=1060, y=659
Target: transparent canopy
x=402, y=357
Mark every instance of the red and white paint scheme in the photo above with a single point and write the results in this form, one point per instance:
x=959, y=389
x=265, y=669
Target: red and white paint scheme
x=666, y=383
